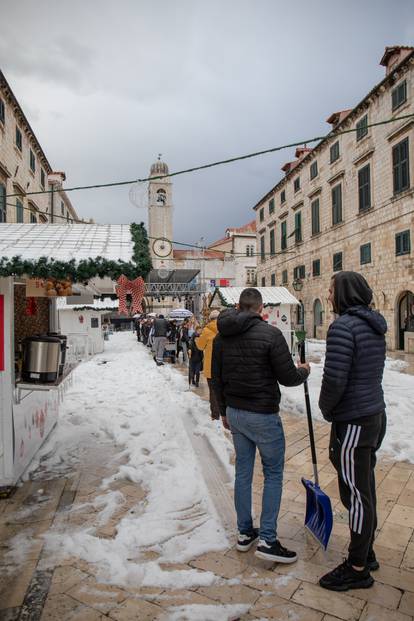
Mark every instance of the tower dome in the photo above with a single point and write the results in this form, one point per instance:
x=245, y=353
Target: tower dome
x=159, y=168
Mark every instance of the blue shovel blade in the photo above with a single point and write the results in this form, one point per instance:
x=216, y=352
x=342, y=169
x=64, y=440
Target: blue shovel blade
x=319, y=518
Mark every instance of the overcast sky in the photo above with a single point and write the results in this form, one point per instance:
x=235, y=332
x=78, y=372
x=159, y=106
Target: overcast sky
x=107, y=85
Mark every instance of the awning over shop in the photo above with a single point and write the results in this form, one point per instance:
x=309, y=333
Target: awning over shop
x=78, y=251
x=272, y=296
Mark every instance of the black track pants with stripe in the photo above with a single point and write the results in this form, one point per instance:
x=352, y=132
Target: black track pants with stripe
x=352, y=451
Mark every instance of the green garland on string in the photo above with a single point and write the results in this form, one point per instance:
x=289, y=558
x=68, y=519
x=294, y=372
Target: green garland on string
x=82, y=271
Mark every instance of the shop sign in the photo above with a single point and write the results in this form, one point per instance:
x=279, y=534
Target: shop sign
x=36, y=288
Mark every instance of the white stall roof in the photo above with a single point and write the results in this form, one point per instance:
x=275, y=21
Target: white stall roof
x=66, y=241
x=98, y=304
x=270, y=295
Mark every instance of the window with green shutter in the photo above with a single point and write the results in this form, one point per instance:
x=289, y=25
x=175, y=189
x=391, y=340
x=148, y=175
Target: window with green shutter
x=334, y=152
x=299, y=272
x=314, y=169
x=261, y=215
x=284, y=277
x=19, y=211
x=18, y=138
x=298, y=227
x=365, y=254
x=337, y=262
x=3, y=206
x=272, y=242
x=399, y=95
x=42, y=177
x=316, y=224
x=262, y=249
x=401, y=163
x=32, y=161
x=337, y=204
x=263, y=281
x=283, y=235
x=273, y=280
x=282, y=197
x=364, y=188
x=316, y=267
x=362, y=128
x=402, y=243
x=271, y=206
x=33, y=218
x=296, y=184
x=2, y=111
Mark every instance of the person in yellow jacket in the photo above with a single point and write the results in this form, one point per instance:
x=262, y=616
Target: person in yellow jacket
x=205, y=343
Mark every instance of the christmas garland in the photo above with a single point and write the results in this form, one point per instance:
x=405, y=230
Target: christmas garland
x=84, y=270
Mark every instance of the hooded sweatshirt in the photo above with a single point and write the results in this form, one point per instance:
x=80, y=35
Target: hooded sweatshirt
x=355, y=354
x=250, y=358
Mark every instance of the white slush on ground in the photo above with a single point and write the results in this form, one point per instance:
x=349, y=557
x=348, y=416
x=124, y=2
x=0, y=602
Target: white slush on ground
x=143, y=410
x=399, y=398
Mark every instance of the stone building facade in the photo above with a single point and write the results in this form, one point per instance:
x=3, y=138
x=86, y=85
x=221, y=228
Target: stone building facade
x=24, y=168
x=348, y=204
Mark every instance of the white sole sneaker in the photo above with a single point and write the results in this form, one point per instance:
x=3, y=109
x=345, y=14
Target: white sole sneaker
x=275, y=559
x=247, y=547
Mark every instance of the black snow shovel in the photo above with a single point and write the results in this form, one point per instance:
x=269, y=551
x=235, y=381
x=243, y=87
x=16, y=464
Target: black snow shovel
x=318, y=518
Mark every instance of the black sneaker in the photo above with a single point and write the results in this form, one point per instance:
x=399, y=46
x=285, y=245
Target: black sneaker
x=246, y=540
x=275, y=552
x=372, y=562
x=345, y=577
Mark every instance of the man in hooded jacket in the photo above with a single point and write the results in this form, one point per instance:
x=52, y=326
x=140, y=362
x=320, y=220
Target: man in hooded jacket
x=352, y=400
x=250, y=359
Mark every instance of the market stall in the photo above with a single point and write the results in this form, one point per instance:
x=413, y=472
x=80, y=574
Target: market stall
x=83, y=324
x=277, y=303
x=40, y=264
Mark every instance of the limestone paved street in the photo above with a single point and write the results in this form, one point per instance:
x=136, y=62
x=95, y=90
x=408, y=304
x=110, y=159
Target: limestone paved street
x=88, y=514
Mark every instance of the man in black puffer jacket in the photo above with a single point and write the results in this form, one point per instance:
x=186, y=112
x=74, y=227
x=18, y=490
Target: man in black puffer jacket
x=249, y=359
x=352, y=399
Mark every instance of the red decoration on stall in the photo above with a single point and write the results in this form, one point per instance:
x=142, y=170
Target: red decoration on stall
x=1, y=332
x=80, y=318
x=31, y=307
x=136, y=288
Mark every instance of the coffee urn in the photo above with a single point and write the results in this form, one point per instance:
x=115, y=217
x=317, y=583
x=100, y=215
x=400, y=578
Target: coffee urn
x=42, y=355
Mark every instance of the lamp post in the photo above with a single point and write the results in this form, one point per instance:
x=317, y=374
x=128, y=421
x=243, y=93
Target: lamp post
x=297, y=284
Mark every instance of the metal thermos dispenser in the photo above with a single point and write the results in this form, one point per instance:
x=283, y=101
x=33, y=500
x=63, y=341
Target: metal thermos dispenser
x=42, y=356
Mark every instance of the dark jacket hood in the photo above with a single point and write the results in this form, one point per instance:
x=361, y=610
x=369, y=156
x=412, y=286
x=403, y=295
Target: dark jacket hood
x=350, y=289
x=372, y=317
x=231, y=322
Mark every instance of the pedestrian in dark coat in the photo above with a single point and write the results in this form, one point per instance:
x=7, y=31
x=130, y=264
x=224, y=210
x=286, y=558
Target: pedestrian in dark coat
x=352, y=399
x=196, y=361
x=250, y=358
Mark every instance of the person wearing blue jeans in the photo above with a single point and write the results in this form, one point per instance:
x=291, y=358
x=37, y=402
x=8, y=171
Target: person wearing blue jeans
x=250, y=359
x=266, y=433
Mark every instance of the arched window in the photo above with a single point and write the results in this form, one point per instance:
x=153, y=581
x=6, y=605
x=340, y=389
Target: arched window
x=161, y=197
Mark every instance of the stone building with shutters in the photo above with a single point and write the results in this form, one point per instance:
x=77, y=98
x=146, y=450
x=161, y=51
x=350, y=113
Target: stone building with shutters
x=24, y=168
x=348, y=204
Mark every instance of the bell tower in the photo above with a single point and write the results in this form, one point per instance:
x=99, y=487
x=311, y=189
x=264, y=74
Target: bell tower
x=160, y=208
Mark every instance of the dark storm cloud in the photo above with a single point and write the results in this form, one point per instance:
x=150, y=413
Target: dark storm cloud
x=108, y=85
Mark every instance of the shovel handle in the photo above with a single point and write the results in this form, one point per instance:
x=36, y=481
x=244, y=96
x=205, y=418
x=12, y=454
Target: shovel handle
x=309, y=417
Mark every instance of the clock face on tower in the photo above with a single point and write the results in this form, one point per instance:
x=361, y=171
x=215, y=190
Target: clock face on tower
x=162, y=247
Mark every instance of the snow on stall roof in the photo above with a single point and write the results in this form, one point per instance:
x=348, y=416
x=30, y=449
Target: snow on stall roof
x=98, y=304
x=66, y=241
x=270, y=295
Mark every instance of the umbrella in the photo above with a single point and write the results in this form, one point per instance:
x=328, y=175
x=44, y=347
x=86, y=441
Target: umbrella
x=180, y=313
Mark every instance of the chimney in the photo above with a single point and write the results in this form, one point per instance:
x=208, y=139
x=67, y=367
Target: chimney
x=393, y=55
x=337, y=117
